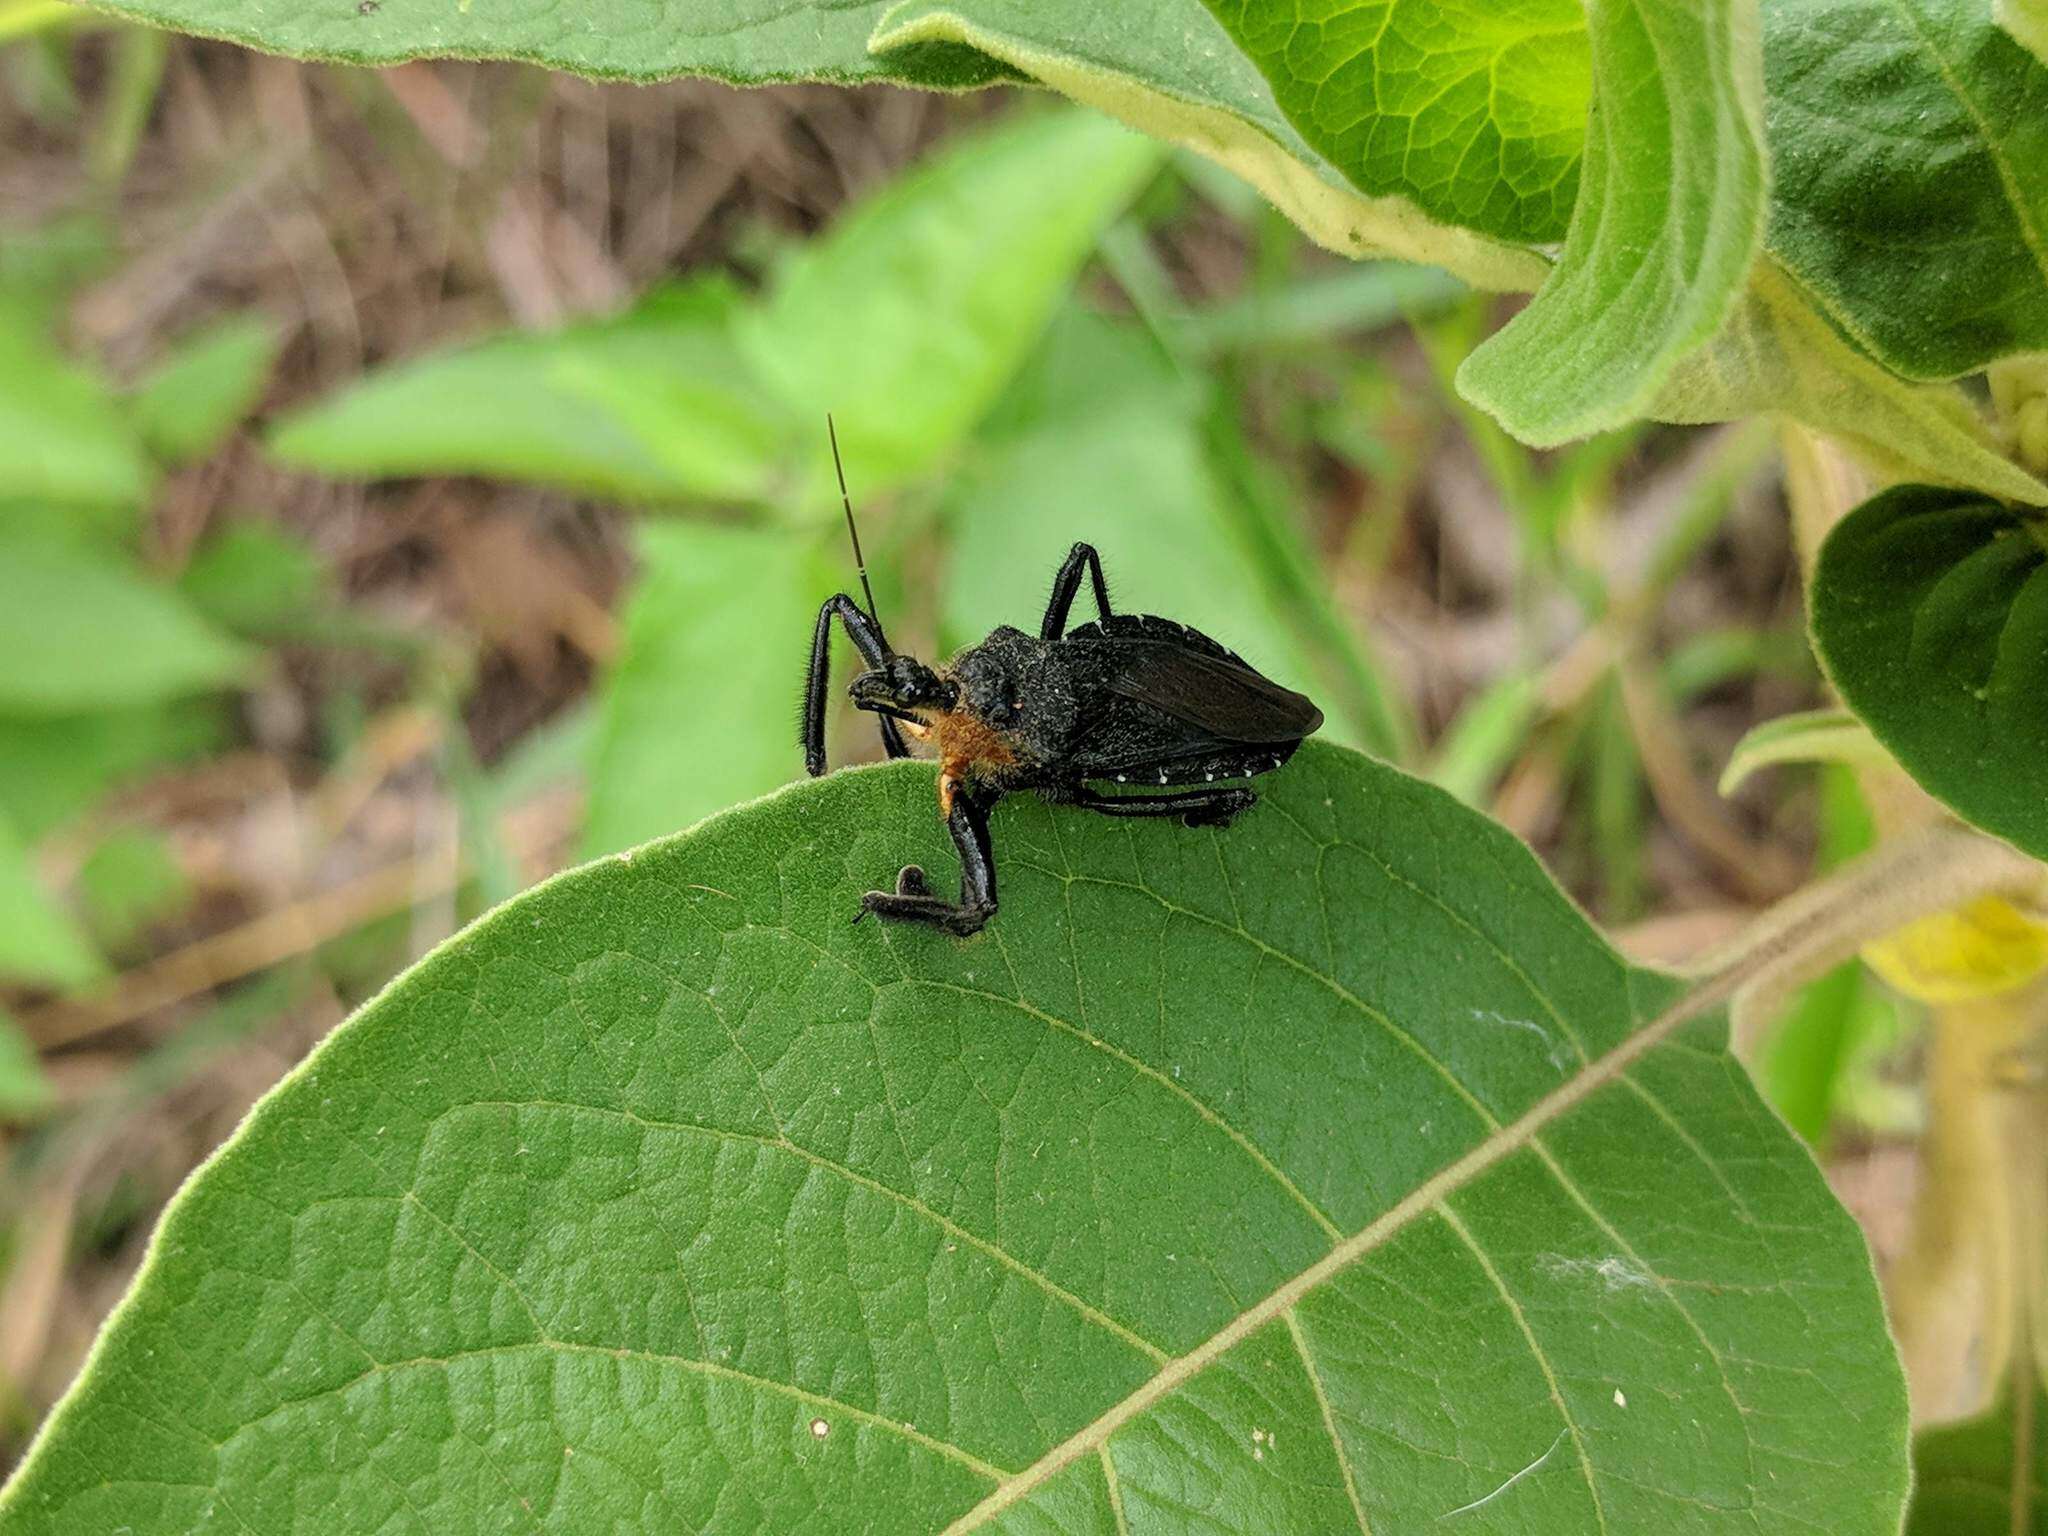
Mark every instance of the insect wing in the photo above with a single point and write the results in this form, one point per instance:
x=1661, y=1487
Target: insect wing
x=1217, y=697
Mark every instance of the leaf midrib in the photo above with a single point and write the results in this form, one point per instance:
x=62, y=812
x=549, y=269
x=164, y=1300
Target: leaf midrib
x=1994, y=146
x=1427, y=1196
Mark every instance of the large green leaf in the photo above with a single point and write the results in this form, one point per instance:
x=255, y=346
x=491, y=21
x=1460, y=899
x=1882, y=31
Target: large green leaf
x=1476, y=113
x=1910, y=149
x=1322, y=1173
x=1930, y=612
x=1986, y=1476
x=82, y=629
x=1169, y=69
x=1779, y=354
x=748, y=42
x=1670, y=215
x=652, y=405
x=698, y=710
x=920, y=304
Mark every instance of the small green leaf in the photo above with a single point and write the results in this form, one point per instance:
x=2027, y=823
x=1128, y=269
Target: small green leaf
x=39, y=942
x=2026, y=20
x=51, y=768
x=1475, y=113
x=132, y=879
x=255, y=579
x=1810, y=736
x=62, y=438
x=910, y=315
x=1169, y=69
x=204, y=389
x=652, y=405
x=1325, y=1172
x=25, y=1093
x=699, y=708
x=1930, y=613
x=1670, y=215
x=1778, y=354
x=1910, y=151
x=81, y=629
x=746, y=42
x=1986, y=1476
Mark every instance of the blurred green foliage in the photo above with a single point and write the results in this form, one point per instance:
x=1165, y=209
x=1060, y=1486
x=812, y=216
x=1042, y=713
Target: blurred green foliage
x=112, y=670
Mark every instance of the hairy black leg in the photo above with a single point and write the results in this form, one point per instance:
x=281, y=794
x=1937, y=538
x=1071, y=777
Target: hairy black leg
x=913, y=902
x=866, y=636
x=1081, y=559
x=1195, y=807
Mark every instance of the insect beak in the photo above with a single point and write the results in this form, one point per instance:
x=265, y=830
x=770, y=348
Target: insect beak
x=871, y=690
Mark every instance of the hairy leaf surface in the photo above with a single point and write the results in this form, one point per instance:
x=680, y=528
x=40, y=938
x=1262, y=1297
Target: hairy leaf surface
x=1670, y=215
x=1476, y=113
x=1909, y=144
x=1324, y=1173
x=1171, y=70
x=748, y=42
x=1779, y=353
x=1930, y=612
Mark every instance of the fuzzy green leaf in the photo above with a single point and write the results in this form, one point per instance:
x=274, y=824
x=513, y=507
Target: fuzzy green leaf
x=1810, y=736
x=1475, y=113
x=1930, y=612
x=1170, y=70
x=1778, y=353
x=1670, y=215
x=1910, y=152
x=747, y=42
x=1325, y=1172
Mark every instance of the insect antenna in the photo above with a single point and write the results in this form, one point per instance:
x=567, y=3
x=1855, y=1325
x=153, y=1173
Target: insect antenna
x=859, y=560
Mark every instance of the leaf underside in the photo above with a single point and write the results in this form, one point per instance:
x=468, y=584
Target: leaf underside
x=1314, y=1175
x=1930, y=611
x=1670, y=216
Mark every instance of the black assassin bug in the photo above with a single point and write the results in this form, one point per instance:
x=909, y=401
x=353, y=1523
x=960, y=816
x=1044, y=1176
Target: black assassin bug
x=1129, y=699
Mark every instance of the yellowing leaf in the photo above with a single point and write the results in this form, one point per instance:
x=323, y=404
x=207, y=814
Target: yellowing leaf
x=1987, y=947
